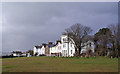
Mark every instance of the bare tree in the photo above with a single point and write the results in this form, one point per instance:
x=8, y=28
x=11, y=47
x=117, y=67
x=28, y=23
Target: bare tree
x=118, y=39
x=115, y=38
x=77, y=32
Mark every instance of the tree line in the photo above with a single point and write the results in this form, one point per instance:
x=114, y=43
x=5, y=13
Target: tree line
x=106, y=40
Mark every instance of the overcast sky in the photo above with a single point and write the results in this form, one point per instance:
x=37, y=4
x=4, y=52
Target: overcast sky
x=32, y=23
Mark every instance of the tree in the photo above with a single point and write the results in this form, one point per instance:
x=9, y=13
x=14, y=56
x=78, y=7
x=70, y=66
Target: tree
x=77, y=32
x=115, y=44
x=118, y=38
x=30, y=51
x=88, y=52
x=101, y=39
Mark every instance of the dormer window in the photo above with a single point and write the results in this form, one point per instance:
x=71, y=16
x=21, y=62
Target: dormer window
x=64, y=39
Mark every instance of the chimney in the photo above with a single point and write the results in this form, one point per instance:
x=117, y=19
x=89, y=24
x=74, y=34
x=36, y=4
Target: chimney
x=50, y=43
x=58, y=41
x=44, y=44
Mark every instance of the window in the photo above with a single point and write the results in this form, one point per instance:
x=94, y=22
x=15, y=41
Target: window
x=64, y=39
x=71, y=51
x=90, y=44
x=60, y=47
x=64, y=45
x=71, y=44
x=62, y=52
x=66, y=52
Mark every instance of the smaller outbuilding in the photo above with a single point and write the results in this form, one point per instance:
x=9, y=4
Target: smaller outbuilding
x=16, y=53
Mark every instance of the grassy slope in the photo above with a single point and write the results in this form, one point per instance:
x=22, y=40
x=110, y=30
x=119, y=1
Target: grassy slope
x=57, y=64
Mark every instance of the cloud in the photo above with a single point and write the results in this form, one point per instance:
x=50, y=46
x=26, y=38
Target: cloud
x=27, y=24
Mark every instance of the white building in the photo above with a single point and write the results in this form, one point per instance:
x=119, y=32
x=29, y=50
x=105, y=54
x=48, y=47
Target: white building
x=16, y=53
x=39, y=50
x=56, y=50
x=87, y=45
x=24, y=54
x=28, y=55
x=42, y=51
x=64, y=47
x=68, y=48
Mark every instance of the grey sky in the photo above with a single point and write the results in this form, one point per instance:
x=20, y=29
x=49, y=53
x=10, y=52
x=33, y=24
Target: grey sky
x=32, y=23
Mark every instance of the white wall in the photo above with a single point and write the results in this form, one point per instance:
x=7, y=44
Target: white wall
x=14, y=54
x=43, y=50
x=64, y=46
x=56, y=49
x=83, y=49
x=40, y=51
x=71, y=49
x=35, y=50
x=66, y=51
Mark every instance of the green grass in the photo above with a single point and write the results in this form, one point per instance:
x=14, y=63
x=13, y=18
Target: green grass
x=59, y=64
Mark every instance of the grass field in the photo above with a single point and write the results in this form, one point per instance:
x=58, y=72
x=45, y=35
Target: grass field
x=59, y=64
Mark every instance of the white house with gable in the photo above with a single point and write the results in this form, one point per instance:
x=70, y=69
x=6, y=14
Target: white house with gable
x=88, y=45
x=68, y=48
x=39, y=50
x=56, y=50
x=63, y=47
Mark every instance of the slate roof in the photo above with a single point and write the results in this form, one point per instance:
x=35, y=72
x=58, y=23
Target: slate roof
x=58, y=41
x=49, y=45
x=38, y=46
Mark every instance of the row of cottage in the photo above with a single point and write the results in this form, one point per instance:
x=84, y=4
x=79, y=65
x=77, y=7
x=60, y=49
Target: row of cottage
x=63, y=47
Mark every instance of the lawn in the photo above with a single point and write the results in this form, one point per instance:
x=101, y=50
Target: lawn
x=59, y=64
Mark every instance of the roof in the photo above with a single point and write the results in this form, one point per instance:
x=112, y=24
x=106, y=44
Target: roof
x=38, y=46
x=44, y=44
x=58, y=42
x=52, y=45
